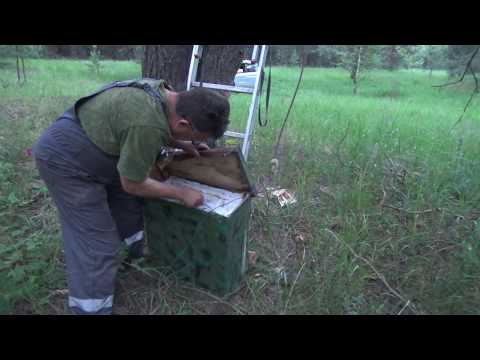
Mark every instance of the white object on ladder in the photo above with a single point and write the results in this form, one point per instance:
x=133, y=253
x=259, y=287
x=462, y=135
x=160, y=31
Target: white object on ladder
x=260, y=60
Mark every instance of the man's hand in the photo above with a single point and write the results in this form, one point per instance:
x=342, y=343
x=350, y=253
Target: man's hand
x=189, y=148
x=150, y=188
x=191, y=197
x=202, y=146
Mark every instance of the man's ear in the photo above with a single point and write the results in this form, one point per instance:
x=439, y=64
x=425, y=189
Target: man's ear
x=180, y=125
x=183, y=122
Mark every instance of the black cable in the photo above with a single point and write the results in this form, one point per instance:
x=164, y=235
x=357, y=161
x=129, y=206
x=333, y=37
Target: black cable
x=267, y=100
x=302, y=56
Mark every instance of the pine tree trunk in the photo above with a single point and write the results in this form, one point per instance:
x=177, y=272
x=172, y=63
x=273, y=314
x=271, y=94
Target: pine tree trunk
x=393, y=58
x=52, y=50
x=221, y=62
x=168, y=62
x=171, y=62
x=356, y=69
x=23, y=70
x=18, y=63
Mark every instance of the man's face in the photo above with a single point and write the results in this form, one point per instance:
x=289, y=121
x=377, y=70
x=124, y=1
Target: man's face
x=184, y=130
x=199, y=136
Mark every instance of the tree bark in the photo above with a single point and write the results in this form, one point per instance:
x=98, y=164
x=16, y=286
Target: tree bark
x=52, y=50
x=56, y=51
x=393, y=58
x=219, y=63
x=17, y=51
x=23, y=70
x=168, y=62
x=356, y=69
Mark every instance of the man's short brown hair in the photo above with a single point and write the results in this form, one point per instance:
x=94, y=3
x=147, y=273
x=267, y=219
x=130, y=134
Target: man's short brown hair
x=207, y=110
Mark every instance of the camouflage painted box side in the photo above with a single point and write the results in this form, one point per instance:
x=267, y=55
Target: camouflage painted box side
x=206, y=249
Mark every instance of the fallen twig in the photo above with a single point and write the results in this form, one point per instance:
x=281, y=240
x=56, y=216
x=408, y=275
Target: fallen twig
x=379, y=275
x=384, y=193
x=291, y=289
x=324, y=189
x=409, y=211
x=404, y=307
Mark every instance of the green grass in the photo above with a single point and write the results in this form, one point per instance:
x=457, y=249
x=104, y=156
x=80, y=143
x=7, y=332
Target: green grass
x=388, y=198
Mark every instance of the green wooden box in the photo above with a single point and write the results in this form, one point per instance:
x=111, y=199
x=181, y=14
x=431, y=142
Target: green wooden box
x=202, y=246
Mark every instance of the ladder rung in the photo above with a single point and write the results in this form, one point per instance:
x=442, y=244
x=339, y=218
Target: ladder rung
x=234, y=134
x=224, y=87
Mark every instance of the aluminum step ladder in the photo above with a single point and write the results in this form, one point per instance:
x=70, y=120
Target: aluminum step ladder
x=259, y=55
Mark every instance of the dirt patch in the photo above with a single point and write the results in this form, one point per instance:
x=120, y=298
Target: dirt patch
x=16, y=110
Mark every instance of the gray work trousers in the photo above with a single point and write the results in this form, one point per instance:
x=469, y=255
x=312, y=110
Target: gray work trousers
x=95, y=213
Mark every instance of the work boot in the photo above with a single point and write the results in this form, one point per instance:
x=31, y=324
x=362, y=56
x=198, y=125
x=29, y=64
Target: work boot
x=136, y=250
x=137, y=254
